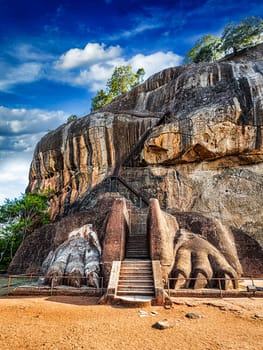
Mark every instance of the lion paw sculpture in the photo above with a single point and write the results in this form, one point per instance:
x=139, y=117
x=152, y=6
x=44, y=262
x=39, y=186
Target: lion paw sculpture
x=76, y=261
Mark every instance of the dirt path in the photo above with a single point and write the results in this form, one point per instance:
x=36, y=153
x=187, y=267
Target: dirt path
x=79, y=323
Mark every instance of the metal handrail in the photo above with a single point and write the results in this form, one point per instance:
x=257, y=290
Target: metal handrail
x=121, y=180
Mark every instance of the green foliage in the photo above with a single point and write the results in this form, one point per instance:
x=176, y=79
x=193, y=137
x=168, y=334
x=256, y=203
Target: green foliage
x=100, y=100
x=18, y=218
x=206, y=49
x=246, y=33
x=71, y=118
x=122, y=80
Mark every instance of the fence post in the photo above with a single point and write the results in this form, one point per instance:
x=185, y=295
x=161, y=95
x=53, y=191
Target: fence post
x=8, y=284
x=220, y=287
x=51, y=289
x=101, y=286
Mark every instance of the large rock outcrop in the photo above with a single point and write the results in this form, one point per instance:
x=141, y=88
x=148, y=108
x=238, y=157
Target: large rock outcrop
x=77, y=156
x=189, y=136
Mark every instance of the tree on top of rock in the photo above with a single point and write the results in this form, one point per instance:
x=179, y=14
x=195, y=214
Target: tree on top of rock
x=122, y=80
x=248, y=32
x=206, y=49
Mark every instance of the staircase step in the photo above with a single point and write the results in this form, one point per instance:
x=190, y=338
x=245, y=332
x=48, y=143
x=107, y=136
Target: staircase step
x=135, y=256
x=135, y=287
x=135, y=292
x=137, y=249
x=139, y=280
x=136, y=270
x=136, y=262
x=136, y=281
x=137, y=244
x=134, y=275
x=124, y=284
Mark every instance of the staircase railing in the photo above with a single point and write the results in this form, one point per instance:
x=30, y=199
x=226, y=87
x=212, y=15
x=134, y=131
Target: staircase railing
x=115, y=181
x=131, y=158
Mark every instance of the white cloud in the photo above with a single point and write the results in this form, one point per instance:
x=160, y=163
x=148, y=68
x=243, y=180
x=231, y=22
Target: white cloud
x=140, y=28
x=27, y=52
x=14, y=121
x=20, y=130
x=23, y=73
x=155, y=62
x=92, y=53
x=93, y=73
x=14, y=172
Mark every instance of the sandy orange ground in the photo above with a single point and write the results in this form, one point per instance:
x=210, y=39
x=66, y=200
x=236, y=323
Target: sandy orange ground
x=79, y=323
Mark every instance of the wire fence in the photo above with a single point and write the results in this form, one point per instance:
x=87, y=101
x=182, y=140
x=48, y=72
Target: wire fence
x=179, y=285
x=35, y=285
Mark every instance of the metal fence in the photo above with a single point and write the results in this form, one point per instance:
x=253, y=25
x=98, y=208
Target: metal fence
x=33, y=285
x=246, y=285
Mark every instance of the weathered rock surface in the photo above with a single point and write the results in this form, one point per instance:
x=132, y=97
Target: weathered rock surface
x=78, y=156
x=189, y=136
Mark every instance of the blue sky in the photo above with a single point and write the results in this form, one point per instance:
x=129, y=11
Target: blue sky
x=55, y=55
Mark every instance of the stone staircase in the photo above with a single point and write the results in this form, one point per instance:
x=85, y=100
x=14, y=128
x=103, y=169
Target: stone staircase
x=136, y=280
x=137, y=247
x=136, y=274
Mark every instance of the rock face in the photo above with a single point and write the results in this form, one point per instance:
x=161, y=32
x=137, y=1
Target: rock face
x=190, y=137
x=76, y=157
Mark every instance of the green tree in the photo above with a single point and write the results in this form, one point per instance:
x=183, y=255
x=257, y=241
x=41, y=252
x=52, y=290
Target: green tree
x=101, y=99
x=248, y=32
x=122, y=80
x=140, y=74
x=206, y=49
x=18, y=218
x=71, y=118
